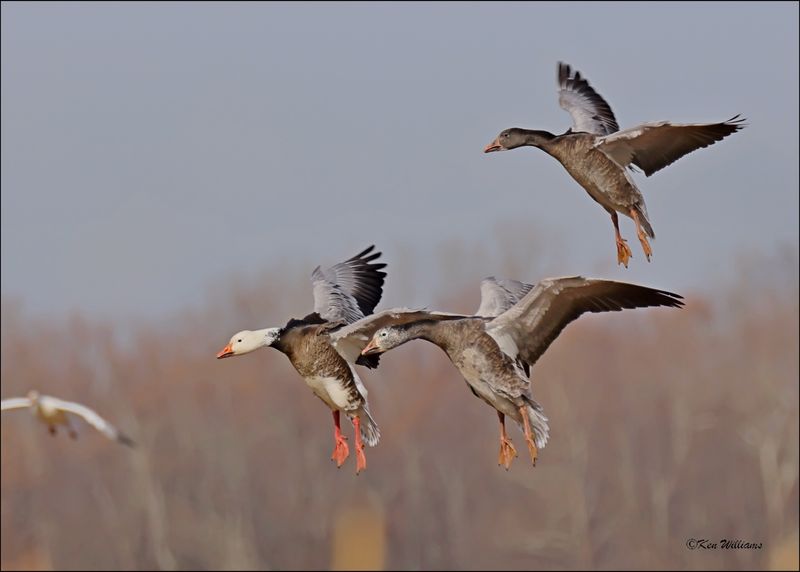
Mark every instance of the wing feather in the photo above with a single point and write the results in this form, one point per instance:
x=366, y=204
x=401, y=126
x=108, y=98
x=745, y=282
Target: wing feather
x=529, y=327
x=653, y=146
x=590, y=112
x=498, y=295
x=349, y=290
x=92, y=418
x=14, y=403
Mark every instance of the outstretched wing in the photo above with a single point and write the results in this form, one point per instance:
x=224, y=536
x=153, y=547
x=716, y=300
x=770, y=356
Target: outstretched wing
x=349, y=290
x=527, y=329
x=351, y=339
x=589, y=111
x=14, y=403
x=653, y=146
x=498, y=295
x=92, y=418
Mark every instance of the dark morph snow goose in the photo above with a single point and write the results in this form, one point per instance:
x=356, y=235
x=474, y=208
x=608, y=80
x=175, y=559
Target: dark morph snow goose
x=343, y=293
x=490, y=352
x=53, y=412
x=596, y=153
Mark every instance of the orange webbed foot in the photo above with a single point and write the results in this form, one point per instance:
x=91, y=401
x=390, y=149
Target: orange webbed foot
x=624, y=252
x=341, y=451
x=648, y=251
x=533, y=450
x=361, y=460
x=507, y=453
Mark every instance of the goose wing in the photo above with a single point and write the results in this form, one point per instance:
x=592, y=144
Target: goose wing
x=589, y=111
x=527, y=329
x=92, y=418
x=653, y=146
x=498, y=295
x=349, y=290
x=14, y=403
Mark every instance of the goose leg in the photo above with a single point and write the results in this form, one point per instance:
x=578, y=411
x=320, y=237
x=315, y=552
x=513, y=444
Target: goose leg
x=623, y=250
x=529, y=434
x=340, y=451
x=507, y=450
x=361, y=460
x=642, y=235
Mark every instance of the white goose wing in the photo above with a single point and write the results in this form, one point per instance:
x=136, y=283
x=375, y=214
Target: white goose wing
x=351, y=339
x=91, y=417
x=527, y=329
x=590, y=112
x=14, y=403
x=349, y=290
x=498, y=295
x=653, y=146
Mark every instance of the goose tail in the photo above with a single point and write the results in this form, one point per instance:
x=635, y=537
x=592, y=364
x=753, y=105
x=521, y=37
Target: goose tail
x=644, y=221
x=369, y=429
x=538, y=421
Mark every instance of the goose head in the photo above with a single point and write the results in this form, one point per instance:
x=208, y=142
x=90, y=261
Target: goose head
x=247, y=341
x=385, y=339
x=516, y=137
x=33, y=397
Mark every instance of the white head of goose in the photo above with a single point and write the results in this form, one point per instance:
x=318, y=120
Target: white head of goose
x=344, y=293
x=54, y=412
x=596, y=153
x=493, y=352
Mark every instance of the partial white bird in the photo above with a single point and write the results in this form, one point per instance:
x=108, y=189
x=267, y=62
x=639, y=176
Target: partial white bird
x=53, y=412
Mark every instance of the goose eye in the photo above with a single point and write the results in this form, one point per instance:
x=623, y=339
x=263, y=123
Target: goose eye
x=505, y=135
x=383, y=334
x=238, y=341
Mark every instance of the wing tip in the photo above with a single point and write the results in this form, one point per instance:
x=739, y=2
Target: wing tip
x=125, y=440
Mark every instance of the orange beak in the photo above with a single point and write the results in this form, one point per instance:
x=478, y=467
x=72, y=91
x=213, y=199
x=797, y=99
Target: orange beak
x=226, y=352
x=493, y=146
x=371, y=348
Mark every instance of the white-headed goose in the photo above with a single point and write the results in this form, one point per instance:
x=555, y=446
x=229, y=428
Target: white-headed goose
x=596, y=153
x=53, y=412
x=491, y=352
x=343, y=293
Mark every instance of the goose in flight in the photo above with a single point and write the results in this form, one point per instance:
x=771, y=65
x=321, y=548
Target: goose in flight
x=596, y=153
x=344, y=293
x=492, y=352
x=53, y=412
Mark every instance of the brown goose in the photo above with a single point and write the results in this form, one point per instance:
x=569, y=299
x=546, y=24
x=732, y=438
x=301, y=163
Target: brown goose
x=343, y=293
x=54, y=412
x=490, y=351
x=596, y=153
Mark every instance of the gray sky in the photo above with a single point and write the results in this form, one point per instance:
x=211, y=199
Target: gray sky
x=150, y=150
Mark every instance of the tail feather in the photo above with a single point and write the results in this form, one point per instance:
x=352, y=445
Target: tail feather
x=541, y=430
x=645, y=221
x=369, y=429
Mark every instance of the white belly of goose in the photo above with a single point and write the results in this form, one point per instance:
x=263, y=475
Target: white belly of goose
x=330, y=390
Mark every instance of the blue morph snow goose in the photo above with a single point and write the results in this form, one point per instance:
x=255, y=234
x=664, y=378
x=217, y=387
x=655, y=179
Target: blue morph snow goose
x=596, y=153
x=343, y=294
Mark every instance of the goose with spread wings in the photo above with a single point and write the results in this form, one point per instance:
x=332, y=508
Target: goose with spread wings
x=54, y=412
x=491, y=352
x=344, y=293
x=598, y=155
